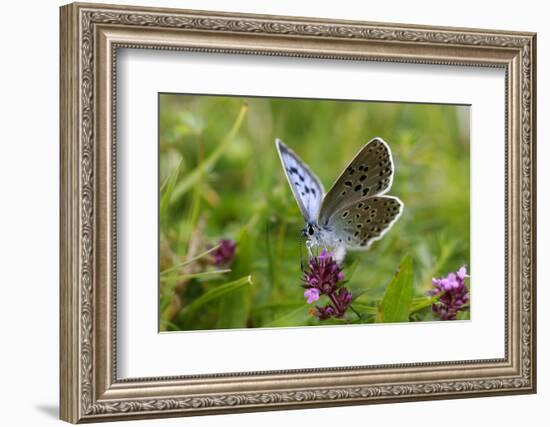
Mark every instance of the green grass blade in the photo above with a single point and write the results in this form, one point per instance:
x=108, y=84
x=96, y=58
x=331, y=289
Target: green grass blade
x=192, y=178
x=397, y=300
x=444, y=255
x=420, y=304
x=167, y=189
x=350, y=271
x=269, y=257
x=182, y=277
x=277, y=306
x=234, y=308
x=189, y=261
x=213, y=295
x=166, y=325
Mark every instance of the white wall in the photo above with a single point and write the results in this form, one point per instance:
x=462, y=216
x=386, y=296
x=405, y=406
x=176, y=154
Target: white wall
x=29, y=170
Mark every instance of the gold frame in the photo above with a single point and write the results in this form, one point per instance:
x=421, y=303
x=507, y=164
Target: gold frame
x=90, y=36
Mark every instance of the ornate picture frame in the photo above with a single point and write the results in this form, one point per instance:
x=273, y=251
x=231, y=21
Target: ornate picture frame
x=90, y=37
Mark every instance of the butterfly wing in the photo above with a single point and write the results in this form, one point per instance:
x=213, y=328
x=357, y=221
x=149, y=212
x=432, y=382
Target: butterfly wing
x=369, y=174
x=306, y=187
x=359, y=224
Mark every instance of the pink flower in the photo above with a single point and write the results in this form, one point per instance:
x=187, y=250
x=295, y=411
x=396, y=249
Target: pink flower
x=325, y=312
x=224, y=254
x=324, y=276
x=461, y=273
x=323, y=273
x=453, y=294
x=312, y=294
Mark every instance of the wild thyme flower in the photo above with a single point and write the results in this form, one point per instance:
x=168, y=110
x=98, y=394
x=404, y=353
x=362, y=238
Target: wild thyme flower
x=325, y=277
x=325, y=312
x=453, y=294
x=224, y=254
x=312, y=294
x=341, y=300
x=323, y=273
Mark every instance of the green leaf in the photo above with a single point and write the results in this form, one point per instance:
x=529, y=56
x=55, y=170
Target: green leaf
x=422, y=303
x=213, y=295
x=397, y=300
x=297, y=317
x=364, y=308
x=463, y=315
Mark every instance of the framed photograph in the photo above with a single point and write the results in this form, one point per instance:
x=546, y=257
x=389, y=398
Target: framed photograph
x=266, y=212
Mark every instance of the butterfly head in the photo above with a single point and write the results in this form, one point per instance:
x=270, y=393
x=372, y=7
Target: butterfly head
x=314, y=234
x=310, y=230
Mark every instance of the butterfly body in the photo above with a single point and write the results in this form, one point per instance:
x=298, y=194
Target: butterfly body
x=355, y=211
x=319, y=236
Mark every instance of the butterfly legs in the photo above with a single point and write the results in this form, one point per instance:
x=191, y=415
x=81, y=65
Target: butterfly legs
x=339, y=252
x=310, y=244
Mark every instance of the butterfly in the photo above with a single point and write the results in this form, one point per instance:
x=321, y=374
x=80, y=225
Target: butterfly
x=355, y=211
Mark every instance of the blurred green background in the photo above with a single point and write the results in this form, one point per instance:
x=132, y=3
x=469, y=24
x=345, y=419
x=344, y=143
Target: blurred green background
x=221, y=178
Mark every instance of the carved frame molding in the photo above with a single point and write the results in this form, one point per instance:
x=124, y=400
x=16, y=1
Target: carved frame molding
x=90, y=37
